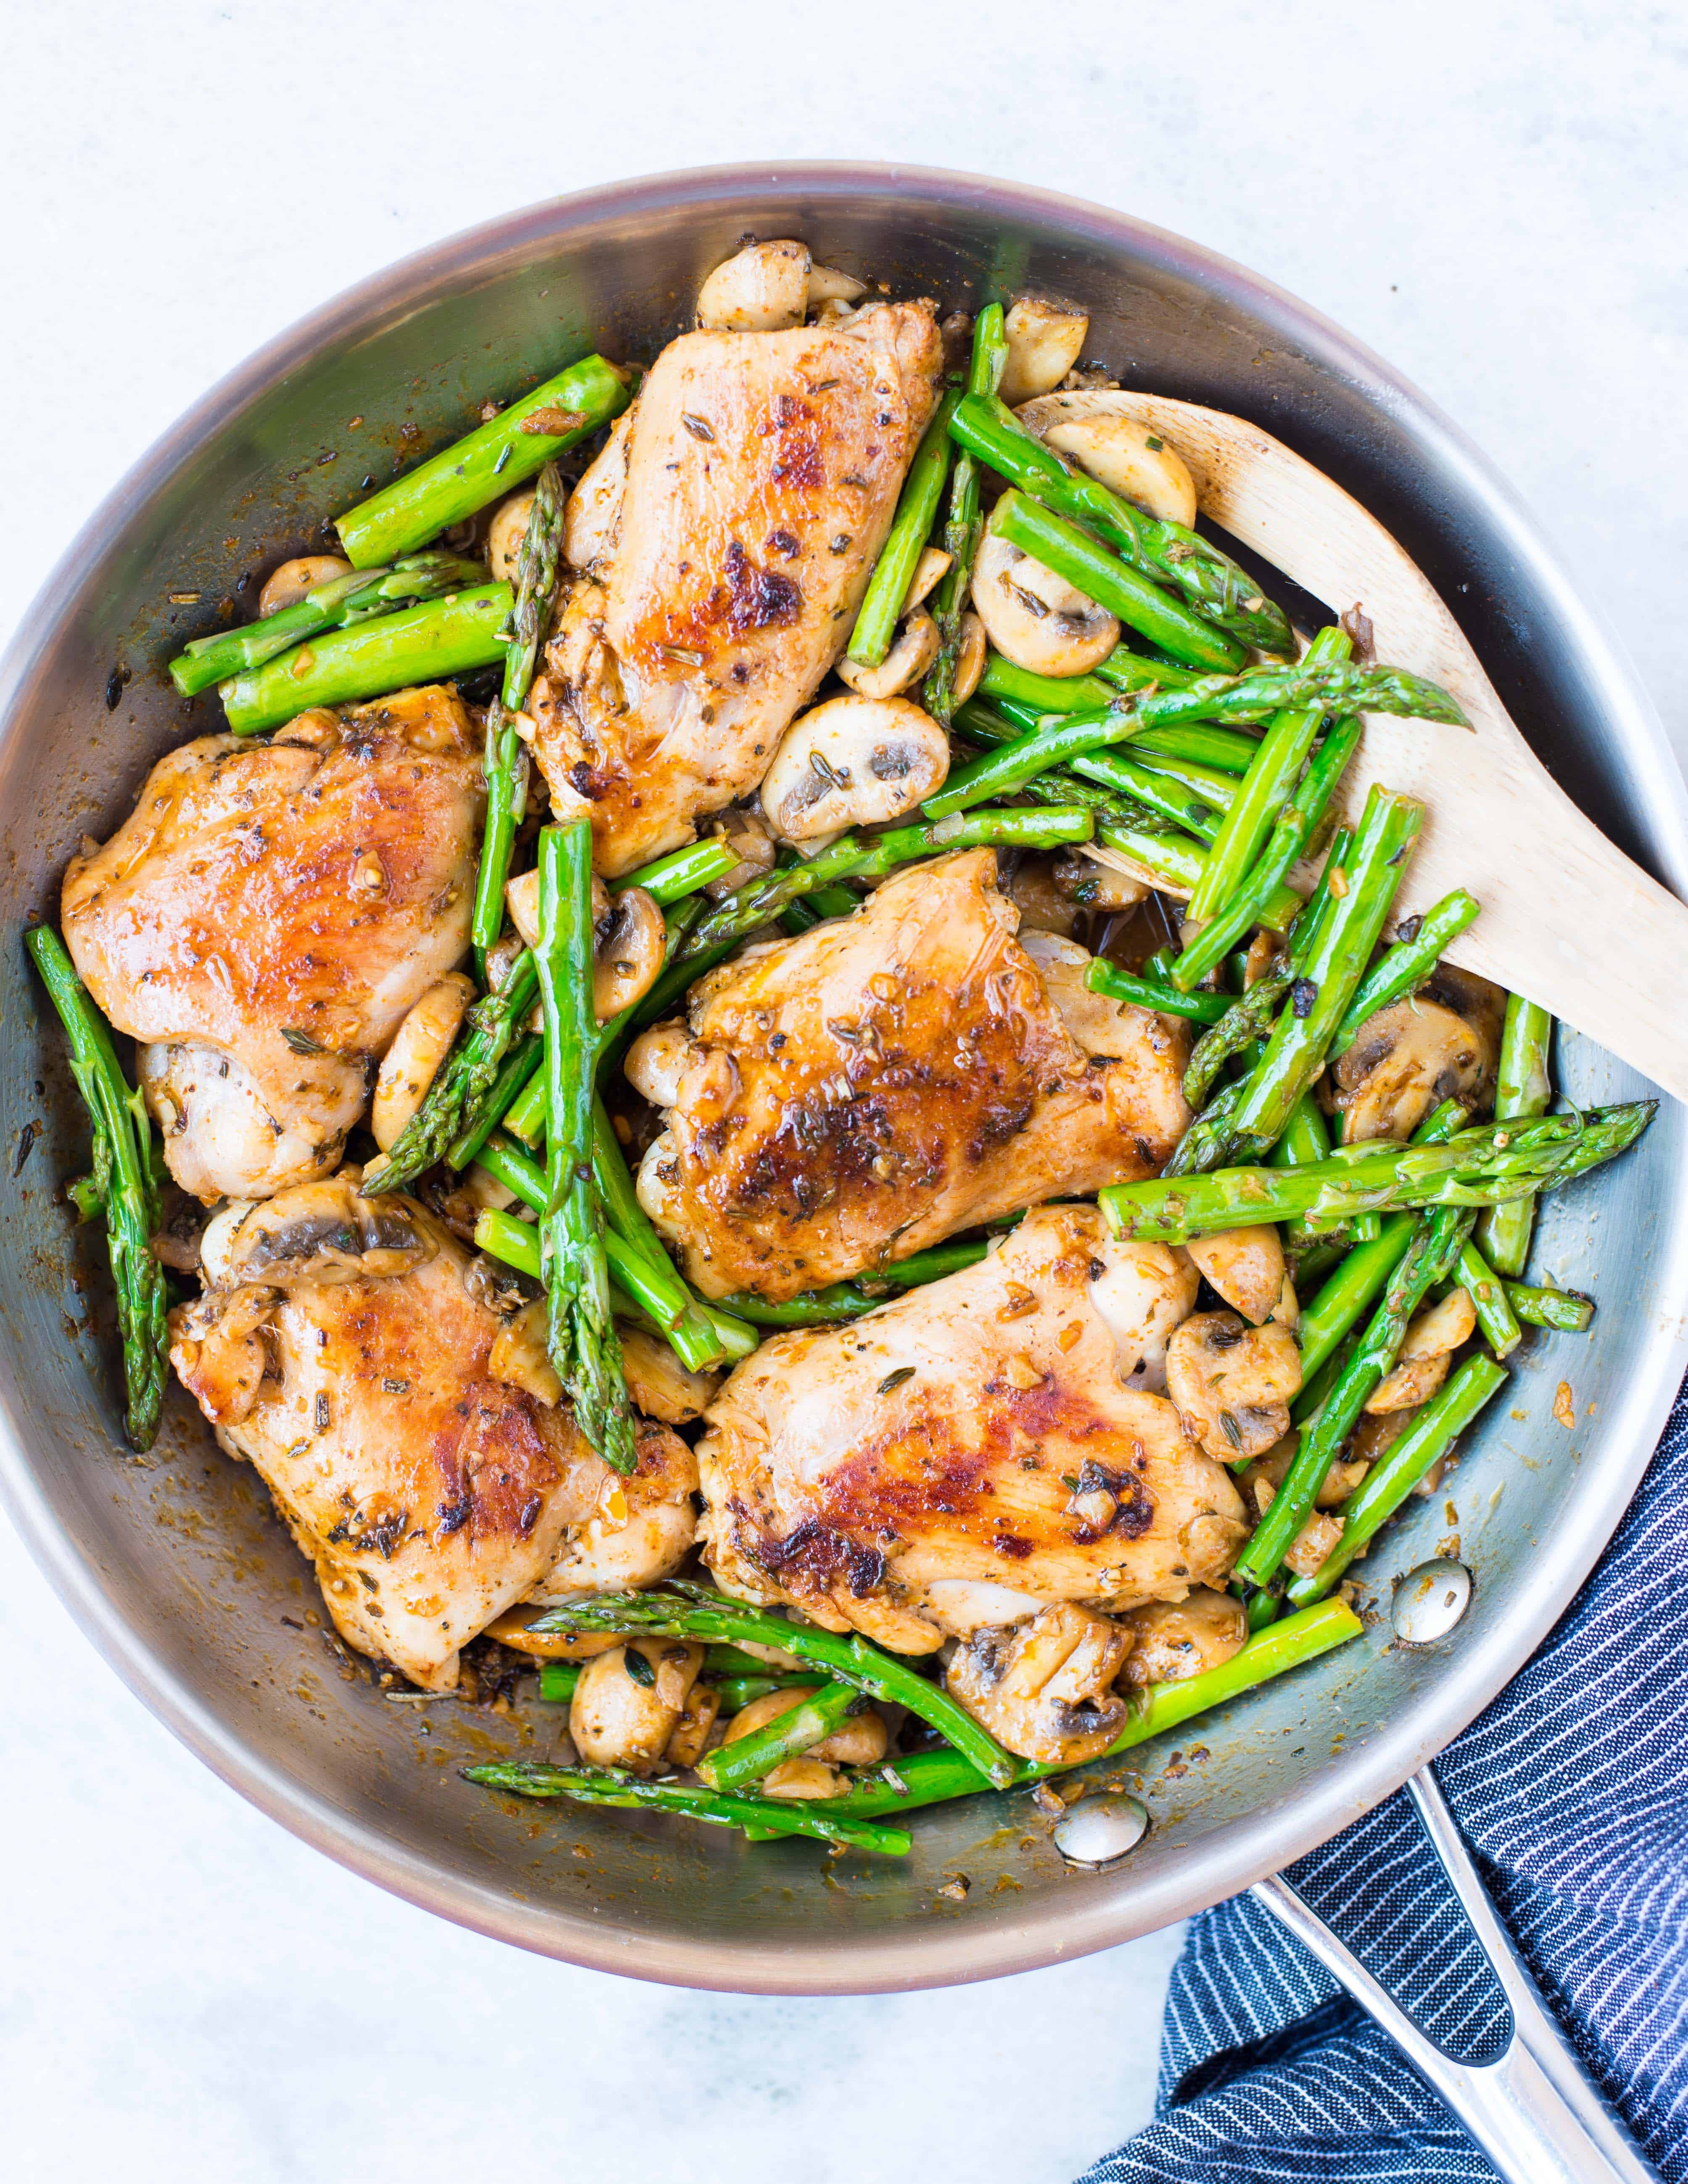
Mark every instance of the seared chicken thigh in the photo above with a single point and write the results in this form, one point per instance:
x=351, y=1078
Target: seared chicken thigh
x=740, y=517
x=338, y=1350
x=885, y=1079
x=264, y=921
x=971, y=1453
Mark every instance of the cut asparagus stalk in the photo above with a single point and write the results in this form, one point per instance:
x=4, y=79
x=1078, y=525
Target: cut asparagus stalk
x=963, y=525
x=1105, y=978
x=751, y=1758
x=452, y=1106
x=1523, y=1089
x=1495, y=1319
x=427, y=644
x=756, y=1816
x=910, y=528
x=1402, y=969
x=1543, y=1307
x=485, y=463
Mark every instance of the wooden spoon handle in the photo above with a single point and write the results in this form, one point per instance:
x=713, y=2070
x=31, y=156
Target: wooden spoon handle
x=1555, y=894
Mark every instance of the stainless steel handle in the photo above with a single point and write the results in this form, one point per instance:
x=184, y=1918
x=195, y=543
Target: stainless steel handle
x=1536, y=2112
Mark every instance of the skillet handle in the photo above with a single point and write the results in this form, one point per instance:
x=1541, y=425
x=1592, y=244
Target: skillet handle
x=1535, y=2111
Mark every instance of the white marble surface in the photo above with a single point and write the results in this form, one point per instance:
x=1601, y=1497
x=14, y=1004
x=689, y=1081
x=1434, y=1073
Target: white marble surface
x=1489, y=193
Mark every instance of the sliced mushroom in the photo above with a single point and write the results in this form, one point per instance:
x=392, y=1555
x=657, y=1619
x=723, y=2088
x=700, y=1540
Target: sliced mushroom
x=1180, y=1638
x=218, y=1349
x=511, y=1628
x=658, y=1059
x=286, y=585
x=746, y=833
x=929, y=572
x=859, y=1740
x=1044, y=1689
x=659, y=1383
x=519, y=1357
x=1232, y=1383
x=1044, y=906
x=1265, y=1476
x=322, y=1234
x=623, y=1716
x=761, y=290
x=1246, y=1267
x=1035, y=618
x=505, y=533
x=1318, y=1537
x=971, y=647
x=1442, y=1044
x=1044, y=341
x=420, y=1043
x=1094, y=886
x=853, y=762
x=827, y=285
x=629, y=939
x=1098, y=432
x=905, y=663
x=1426, y=1353
x=698, y=1718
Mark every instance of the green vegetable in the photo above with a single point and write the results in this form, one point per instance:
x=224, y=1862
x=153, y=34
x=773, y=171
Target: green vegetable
x=1102, y=976
x=893, y=572
x=1389, y=1482
x=681, y=873
x=1495, y=1319
x=328, y=605
x=123, y=1184
x=519, y=1068
x=462, y=1089
x=1485, y=1167
x=424, y=644
x=585, y=1350
x=1523, y=1089
x=849, y=1300
x=1402, y=969
x=695, y=1611
x=484, y=465
x=1559, y=1308
x=962, y=527
x=750, y=1758
x=756, y=1816
x=1234, y=1026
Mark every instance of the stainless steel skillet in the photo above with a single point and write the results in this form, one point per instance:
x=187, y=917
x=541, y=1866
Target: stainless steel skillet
x=174, y=1565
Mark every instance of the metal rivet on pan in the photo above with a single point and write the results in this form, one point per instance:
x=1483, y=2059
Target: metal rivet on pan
x=1431, y=1600
x=1097, y=1830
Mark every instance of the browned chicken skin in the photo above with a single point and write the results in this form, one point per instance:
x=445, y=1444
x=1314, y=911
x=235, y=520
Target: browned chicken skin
x=879, y=1082
x=762, y=472
x=971, y=1453
x=430, y=1495
x=264, y=921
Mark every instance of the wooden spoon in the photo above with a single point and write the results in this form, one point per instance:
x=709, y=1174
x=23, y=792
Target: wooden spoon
x=1553, y=889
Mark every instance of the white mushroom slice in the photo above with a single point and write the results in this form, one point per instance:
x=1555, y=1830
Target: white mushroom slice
x=519, y=1357
x=420, y=1043
x=853, y=762
x=1035, y=618
x=1442, y=1044
x=747, y=836
x=970, y=651
x=1426, y=1353
x=1318, y=1537
x=658, y=1059
x=1245, y=1266
x=1094, y=886
x=1180, y=1638
x=629, y=939
x=217, y=1243
x=1044, y=1689
x=929, y=572
x=624, y=1716
x=826, y=285
x=904, y=664
x=1232, y=1383
x=505, y=533
x=1098, y=432
x=762, y=290
x=1044, y=341
x=592, y=519
x=286, y=585
x=660, y=1385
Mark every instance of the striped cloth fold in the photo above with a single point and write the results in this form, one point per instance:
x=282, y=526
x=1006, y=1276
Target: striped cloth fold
x=1572, y=1790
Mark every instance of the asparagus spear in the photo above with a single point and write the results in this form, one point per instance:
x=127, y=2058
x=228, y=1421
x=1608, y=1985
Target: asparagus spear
x=506, y=754
x=849, y=1300
x=962, y=530
x=123, y=1179
x=1437, y=1243
x=1219, y=591
x=1495, y=1319
x=1102, y=976
x=1543, y=1307
x=426, y=643
x=485, y=463
x=681, y=873
x=1485, y=1167
x=930, y=1778
x=1209, y=785
x=756, y=1755
x=519, y=1068
x=1404, y=968
x=1387, y=1484
x=767, y=1816
x=1523, y=1089
x=695, y=1611
x=1234, y=1025
x=585, y=1351
x=761, y=900
x=452, y=1106
x=1030, y=696
x=205, y=660
x=1267, y=786
x=888, y=585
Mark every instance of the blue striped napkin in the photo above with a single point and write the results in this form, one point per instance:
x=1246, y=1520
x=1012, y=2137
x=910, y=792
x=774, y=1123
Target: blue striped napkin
x=1572, y=1790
